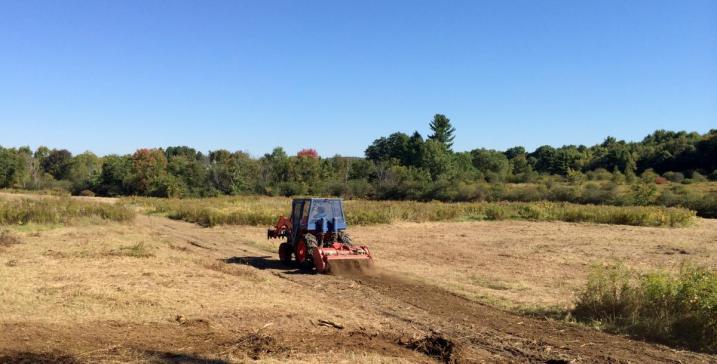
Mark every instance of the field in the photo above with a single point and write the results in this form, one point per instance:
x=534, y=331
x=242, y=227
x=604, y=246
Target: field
x=446, y=286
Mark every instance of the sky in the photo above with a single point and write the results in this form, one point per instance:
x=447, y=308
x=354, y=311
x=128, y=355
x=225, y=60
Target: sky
x=114, y=76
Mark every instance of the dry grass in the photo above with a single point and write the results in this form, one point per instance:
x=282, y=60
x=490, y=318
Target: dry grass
x=92, y=274
x=63, y=211
x=530, y=266
x=151, y=270
x=239, y=270
x=255, y=210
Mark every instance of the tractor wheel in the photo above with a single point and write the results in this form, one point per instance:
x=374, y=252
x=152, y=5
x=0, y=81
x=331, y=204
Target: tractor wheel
x=345, y=238
x=308, y=244
x=285, y=253
x=301, y=252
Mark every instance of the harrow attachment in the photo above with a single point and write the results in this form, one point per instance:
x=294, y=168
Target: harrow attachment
x=341, y=257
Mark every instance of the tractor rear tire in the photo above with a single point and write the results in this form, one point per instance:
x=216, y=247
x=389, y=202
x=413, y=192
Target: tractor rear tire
x=345, y=238
x=285, y=252
x=301, y=253
x=310, y=245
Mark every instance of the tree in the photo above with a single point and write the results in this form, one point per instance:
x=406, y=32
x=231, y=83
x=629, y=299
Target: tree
x=233, y=173
x=492, y=161
x=442, y=130
x=84, y=171
x=273, y=170
x=308, y=152
x=190, y=168
x=393, y=147
x=414, y=150
x=57, y=163
x=543, y=158
x=437, y=160
x=13, y=168
x=149, y=166
x=515, y=152
x=115, y=177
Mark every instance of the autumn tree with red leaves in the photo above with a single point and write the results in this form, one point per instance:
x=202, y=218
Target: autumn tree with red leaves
x=309, y=152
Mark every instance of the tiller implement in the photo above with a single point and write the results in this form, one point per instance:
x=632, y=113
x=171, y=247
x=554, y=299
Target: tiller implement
x=316, y=236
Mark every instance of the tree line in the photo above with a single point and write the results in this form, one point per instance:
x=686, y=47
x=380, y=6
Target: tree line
x=397, y=166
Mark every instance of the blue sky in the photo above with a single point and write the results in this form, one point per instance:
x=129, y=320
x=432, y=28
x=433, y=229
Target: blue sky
x=113, y=76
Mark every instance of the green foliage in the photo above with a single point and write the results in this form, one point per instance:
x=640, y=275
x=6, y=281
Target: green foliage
x=84, y=171
x=59, y=211
x=437, y=160
x=148, y=168
x=116, y=175
x=443, y=131
x=13, y=168
x=713, y=175
x=58, y=163
x=397, y=167
x=676, y=309
x=698, y=177
x=676, y=177
x=491, y=162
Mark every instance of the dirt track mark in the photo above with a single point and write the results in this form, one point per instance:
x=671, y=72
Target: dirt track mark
x=483, y=333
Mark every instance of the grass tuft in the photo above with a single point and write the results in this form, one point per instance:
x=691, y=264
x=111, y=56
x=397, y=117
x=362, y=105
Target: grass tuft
x=139, y=250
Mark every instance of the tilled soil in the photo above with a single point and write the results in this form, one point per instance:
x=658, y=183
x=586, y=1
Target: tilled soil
x=181, y=343
x=480, y=333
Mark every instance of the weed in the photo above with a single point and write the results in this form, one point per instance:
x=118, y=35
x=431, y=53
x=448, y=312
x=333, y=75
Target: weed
x=139, y=250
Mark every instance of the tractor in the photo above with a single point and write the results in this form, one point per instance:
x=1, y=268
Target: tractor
x=316, y=236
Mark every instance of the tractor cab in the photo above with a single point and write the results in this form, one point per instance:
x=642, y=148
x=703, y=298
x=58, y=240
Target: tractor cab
x=318, y=215
x=316, y=234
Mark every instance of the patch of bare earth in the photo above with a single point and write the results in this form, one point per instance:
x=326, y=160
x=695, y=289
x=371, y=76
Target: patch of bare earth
x=216, y=295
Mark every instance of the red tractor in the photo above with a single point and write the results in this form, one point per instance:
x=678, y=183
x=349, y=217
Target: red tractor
x=316, y=235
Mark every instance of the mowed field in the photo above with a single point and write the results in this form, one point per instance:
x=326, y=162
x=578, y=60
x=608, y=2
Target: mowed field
x=159, y=290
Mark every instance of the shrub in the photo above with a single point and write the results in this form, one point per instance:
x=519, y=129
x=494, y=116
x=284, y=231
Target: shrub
x=713, y=175
x=87, y=193
x=649, y=176
x=600, y=174
x=698, y=177
x=594, y=194
x=292, y=188
x=644, y=194
x=563, y=193
x=676, y=309
x=676, y=177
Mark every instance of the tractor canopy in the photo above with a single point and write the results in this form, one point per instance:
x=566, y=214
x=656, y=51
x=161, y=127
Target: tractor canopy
x=319, y=214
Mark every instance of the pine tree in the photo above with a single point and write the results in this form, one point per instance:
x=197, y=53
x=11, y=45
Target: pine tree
x=442, y=130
